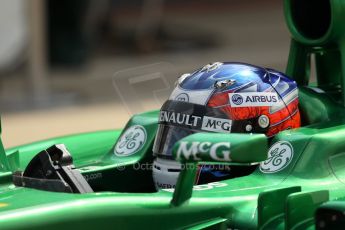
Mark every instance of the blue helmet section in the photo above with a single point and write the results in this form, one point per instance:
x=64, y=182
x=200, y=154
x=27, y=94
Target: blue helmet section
x=281, y=83
x=246, y=77
x=243, y=74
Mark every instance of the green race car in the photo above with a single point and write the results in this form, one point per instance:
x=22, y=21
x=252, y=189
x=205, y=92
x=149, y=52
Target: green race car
x=287, y=178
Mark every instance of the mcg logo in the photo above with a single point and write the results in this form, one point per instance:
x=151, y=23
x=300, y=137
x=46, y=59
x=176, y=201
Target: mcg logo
x=195, y=150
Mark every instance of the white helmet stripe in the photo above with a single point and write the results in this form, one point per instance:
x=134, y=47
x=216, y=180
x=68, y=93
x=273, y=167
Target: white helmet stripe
x=287, y=99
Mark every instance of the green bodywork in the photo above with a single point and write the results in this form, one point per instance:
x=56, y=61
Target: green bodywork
x=125, y=197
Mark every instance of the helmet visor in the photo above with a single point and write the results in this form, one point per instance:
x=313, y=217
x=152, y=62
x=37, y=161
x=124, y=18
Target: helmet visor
x=179, y=119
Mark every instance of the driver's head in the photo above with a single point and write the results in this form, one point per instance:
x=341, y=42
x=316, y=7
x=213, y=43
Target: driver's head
x=223, y=98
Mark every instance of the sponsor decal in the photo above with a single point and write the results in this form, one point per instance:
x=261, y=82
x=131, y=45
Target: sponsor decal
x=216, y=124
x=252, y=99
x=165, y=186
x=217, y=151
x=202, y=187
x=182, y=97
x=199, y=97
x=237, y=99
x=131, y=141
x=279, y=156
x=179, y=118
x=206, y=123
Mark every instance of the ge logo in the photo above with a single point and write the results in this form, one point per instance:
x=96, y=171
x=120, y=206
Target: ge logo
x=237, y=99
x=182, y=97
x=279, y=156
x=131, y=141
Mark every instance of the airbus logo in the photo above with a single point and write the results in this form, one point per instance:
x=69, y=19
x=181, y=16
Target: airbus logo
x=237, y=99
x=252, y=99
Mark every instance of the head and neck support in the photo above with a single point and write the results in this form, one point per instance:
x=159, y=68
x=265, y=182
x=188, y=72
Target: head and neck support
x=317, y=28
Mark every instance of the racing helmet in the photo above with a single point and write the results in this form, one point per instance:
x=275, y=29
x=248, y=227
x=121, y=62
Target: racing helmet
x=222, y=98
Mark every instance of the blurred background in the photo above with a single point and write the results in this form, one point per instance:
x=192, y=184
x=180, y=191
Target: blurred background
x=71, y=66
